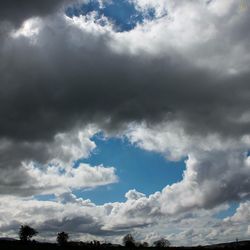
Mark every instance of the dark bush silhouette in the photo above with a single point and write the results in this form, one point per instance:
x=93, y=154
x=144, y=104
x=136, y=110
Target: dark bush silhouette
x=26, y=232
x=96, y=243
x=145, y=244
x=128, y=241
x=142, y=244
x=62, y=238
x=162, y=243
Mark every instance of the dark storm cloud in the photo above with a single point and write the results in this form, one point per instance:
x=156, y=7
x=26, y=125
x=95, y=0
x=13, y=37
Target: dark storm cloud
x=16, y=11
x=53, y=87
x=71, y=76
x=14, y=179
x=68, y=77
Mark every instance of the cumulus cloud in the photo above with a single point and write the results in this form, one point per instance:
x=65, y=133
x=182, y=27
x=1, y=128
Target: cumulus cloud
x=69, y=197
x=137, y=211
x=134, y=195
x=61, y=216
x=83, y=220
x=207, y=157
x=53, y=179
x=48, y=167
x=242, y=214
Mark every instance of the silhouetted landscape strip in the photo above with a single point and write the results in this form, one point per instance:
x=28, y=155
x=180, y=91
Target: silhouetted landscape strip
x=26, y=233
x=18, y=244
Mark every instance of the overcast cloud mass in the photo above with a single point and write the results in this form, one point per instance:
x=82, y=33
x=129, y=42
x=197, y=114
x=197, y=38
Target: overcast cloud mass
x=177, y=85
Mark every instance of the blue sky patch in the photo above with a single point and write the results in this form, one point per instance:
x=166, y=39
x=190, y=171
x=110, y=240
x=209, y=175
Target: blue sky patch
x=147, y=172
x=122, y=13
x=45, y=197
x=228, y=212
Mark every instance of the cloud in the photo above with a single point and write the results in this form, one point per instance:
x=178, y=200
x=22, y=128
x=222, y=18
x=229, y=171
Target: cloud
x=59, y=74
x=62, y=216
x=138, y=211
x=200, y=188
x=134, y=195
x=207, y=157
x=69, y=197
x=69, y=52
x=48, y=167
x=53, y=179
x=76, y=216
x=16, y=11
x=82, y=221
x=241, y=215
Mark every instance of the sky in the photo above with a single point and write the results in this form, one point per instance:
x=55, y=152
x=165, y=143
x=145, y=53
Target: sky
x=124, y=117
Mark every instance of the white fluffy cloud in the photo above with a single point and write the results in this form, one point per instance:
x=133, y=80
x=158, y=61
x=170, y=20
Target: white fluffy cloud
x=53, y=179
x=68, y=147
x=49, y=216
x=242, y=214
x=134, y=195
x=82, y=219
x=137, y=211
x=48, y=168
x=217, y=170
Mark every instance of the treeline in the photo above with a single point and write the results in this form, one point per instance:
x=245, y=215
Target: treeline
x=26, y=233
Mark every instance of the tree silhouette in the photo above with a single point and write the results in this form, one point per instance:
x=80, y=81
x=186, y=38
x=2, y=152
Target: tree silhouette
x=26, y=232
x=128, y=241
x=96, y=243
x=162, y=243
x=62, y=238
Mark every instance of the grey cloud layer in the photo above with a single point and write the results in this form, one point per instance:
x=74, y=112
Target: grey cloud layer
x=71, y=75
x=17, y=11
x=52, y=85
